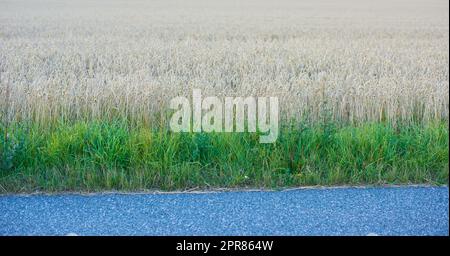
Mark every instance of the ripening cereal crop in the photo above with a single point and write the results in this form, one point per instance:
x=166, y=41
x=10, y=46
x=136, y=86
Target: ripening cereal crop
x=85, y=88
x=363, y=61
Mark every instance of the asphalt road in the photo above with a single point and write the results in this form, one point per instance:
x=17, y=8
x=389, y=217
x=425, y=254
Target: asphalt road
x=341, y=211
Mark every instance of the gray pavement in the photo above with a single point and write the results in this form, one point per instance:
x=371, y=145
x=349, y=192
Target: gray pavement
x=331, y=211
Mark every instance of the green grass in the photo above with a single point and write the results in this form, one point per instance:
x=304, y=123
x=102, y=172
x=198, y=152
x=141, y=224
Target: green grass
x=115, y=155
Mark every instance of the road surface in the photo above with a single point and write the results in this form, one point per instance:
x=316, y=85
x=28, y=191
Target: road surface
x=333, y=211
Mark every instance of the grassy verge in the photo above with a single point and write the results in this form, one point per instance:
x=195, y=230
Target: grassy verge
x=112, y=155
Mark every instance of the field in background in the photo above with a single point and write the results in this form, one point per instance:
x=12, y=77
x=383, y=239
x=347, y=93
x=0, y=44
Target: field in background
x=375, y=72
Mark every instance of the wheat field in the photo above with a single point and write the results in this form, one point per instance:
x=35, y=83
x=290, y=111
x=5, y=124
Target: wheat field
x=85, y=88
x=361, y=61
